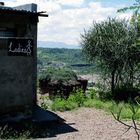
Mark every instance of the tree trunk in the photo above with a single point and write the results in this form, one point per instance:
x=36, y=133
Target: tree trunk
x=113, y=81
x=131, y=77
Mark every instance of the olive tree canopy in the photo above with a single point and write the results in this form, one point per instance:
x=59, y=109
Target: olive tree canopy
x=112, y=43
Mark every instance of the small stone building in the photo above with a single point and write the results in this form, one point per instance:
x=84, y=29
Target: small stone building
x=18, y=57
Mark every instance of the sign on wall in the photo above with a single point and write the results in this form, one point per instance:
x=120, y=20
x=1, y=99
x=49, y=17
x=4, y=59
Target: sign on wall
x=20, y=47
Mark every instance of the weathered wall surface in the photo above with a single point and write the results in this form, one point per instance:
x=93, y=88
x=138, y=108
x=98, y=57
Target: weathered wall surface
x=18, y=73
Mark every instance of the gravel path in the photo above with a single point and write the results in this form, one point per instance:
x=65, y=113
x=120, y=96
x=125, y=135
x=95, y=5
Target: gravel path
x=91, y=124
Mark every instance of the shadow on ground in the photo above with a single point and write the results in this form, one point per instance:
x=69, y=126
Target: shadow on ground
x=34, y=130
x=42, y=124
x=60, y=129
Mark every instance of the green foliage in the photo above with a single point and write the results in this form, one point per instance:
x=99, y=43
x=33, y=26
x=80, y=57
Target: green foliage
x=68, y=56
x=76, y=99
x=105, y=95
x=62, y=58
x=107, y=40
x=133, y=113
x=135, y=19
x=125, y=93
x=45, y=102
x=94, y=103
x=112, y=45
x=134, y=7
x=58, y=74
x=59, y=104
x=70, y=105
x=111, y=106
x=92, y=93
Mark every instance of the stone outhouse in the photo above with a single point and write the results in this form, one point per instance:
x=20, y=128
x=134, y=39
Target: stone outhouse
x=18, y=57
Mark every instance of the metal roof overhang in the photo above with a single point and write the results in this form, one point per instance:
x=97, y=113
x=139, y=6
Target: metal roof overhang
x=6, y=10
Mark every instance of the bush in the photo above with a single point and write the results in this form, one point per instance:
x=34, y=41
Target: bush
x=59, y=104
x=45, y=102
x=105, y=95
x=71, y=105
x=76, y=99
x=57, y=74
x=125, y=93
x=92, y=94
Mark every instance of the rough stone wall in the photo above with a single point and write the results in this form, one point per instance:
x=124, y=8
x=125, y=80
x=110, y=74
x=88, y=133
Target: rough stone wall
x=18, y=73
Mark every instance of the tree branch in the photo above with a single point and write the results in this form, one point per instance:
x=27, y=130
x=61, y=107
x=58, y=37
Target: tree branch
x=123, y=122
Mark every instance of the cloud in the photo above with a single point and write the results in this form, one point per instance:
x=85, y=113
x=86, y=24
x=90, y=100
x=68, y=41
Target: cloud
x=74, y=3
x=66, y=24
x=49, y=6
x=99, y=8
x=43, y=5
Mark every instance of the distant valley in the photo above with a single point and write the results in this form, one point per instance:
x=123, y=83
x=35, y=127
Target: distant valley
x=63, y=58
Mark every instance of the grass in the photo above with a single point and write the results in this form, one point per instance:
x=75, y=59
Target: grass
x=75, y=100
x=22, y=130
x=111, y=106
x=78, y=99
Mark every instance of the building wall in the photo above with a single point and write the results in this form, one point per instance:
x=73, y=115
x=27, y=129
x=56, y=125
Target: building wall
x=18, y=74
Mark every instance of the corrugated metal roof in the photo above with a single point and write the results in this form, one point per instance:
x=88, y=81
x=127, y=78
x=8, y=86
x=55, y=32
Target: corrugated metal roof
x=10, y=10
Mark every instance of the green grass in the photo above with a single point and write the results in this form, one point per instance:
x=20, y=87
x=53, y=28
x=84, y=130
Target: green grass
x=111, y=106
x=75, y=100
x=94, y=103
x=22, y=130
x=78, y=99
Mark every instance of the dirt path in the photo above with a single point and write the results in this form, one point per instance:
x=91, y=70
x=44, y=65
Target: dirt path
x=91, y=124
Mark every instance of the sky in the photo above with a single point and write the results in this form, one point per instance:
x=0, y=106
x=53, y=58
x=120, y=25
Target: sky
x=69, y=18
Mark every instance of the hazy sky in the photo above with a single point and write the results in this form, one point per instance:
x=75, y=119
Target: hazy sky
x=68, y=18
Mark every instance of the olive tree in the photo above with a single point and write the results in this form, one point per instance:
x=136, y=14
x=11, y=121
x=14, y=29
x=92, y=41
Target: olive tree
x=112, y=45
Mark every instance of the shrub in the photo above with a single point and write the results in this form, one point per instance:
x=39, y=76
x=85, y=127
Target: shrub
x=89, y=103
x=57, y=74
x=77, y=97
x=92, y=94
x=45, y=102
x=59, y=104
x=71, y=105
x=125, y=93
x=105, y=95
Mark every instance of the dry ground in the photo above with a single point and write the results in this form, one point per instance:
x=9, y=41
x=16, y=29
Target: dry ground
x=91, y=124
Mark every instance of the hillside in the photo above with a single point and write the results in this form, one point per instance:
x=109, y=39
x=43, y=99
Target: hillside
x=63, y=58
